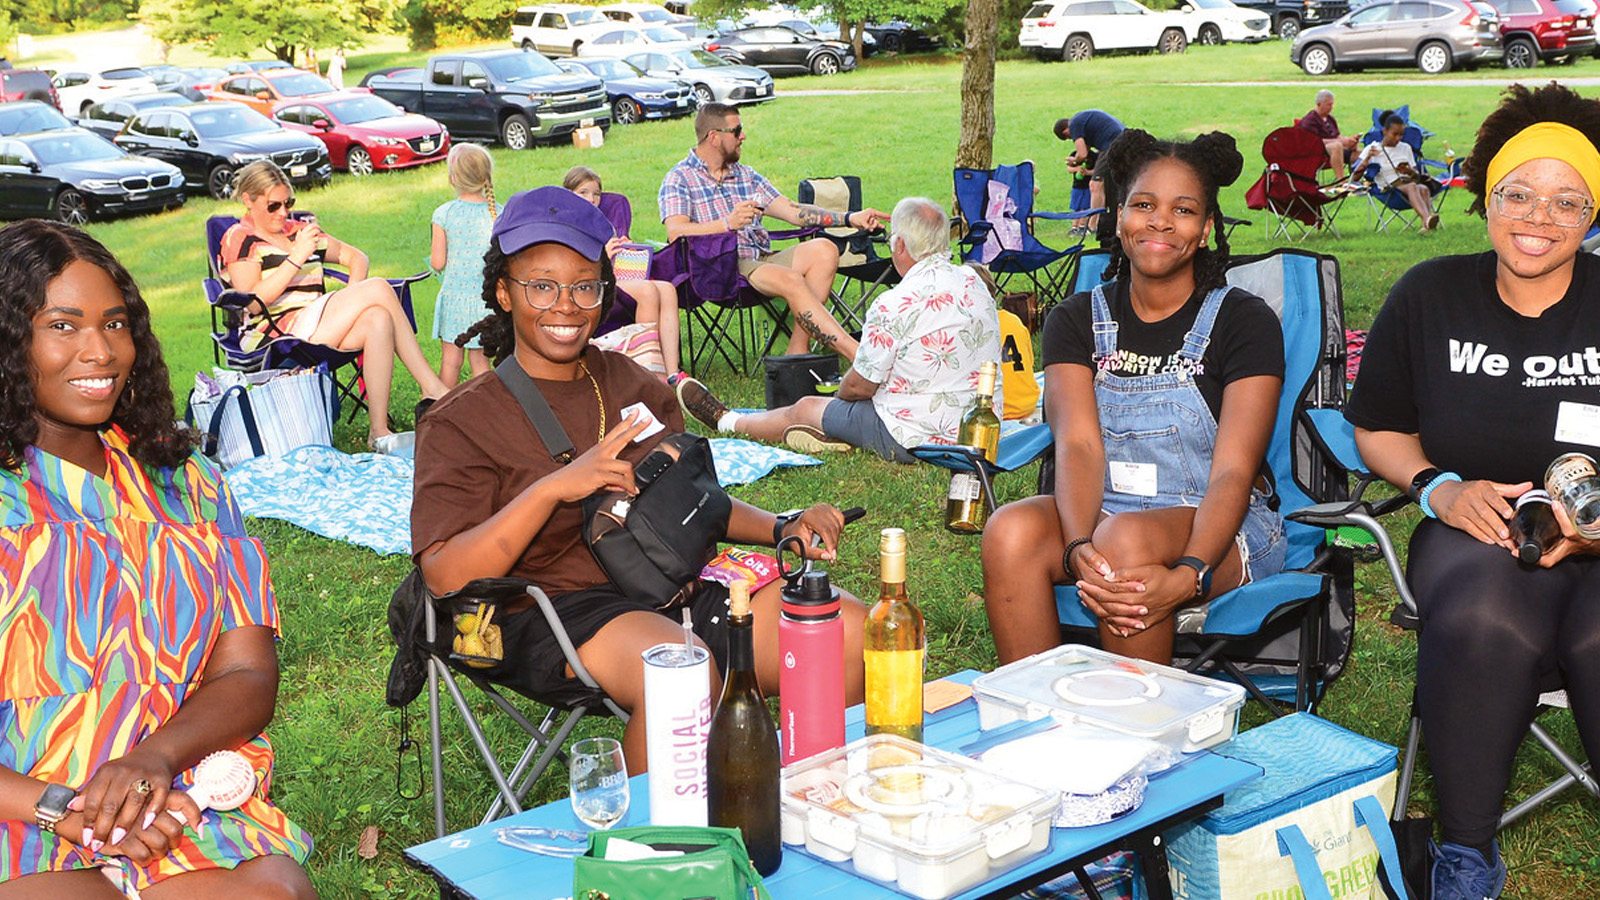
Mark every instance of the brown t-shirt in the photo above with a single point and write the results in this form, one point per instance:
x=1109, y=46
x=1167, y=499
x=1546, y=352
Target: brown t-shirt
x=476, y=451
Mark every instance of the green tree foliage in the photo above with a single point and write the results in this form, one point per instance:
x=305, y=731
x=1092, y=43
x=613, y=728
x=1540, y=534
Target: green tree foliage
x=284, y=29
x=430, y=22
x=54, y=15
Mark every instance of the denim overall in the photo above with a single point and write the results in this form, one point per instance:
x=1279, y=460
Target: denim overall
x=1160, y=435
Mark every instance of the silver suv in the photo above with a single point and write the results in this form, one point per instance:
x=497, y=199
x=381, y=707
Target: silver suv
x=1434, y=35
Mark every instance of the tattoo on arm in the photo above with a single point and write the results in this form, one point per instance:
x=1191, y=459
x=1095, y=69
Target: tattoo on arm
x=808, y=323
x=814, y=216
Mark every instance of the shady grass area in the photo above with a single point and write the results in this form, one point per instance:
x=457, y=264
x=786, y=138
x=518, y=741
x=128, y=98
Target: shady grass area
x=337, y=761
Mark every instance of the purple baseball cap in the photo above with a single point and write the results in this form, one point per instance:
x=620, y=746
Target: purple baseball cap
x=552, y=214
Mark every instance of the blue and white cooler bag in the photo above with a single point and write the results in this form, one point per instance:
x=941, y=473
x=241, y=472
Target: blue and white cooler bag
x=1314, y=827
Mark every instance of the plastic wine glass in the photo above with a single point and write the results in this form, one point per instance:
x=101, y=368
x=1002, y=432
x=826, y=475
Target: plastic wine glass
x=598, y=775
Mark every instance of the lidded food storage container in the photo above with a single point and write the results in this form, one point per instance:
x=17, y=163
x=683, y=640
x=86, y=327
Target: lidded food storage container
x=1082, y=684
x=930, y=823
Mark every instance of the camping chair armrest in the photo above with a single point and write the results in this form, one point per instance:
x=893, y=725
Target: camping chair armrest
x=960, y=458
x=235, y=300
x=568, y=650
x=424, y=275
x=1231, y=222
x=1336, y=514
x=977, y=233
x=793, y=233
x=1075, y=214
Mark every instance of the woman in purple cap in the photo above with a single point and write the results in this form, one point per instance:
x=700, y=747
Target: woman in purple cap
x=490, y=500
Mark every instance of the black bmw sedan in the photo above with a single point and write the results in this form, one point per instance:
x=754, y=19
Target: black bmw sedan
x=210, y=141
x=784, y=51
x=74, y=175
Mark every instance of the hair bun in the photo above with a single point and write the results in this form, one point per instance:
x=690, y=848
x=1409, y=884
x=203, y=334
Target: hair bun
x=1221, y=155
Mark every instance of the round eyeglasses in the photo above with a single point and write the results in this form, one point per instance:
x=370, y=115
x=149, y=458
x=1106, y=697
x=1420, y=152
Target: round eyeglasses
x=1568, y=210
x=542, y=293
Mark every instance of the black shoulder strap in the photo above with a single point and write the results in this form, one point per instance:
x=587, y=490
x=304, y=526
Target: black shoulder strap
x=536, y=408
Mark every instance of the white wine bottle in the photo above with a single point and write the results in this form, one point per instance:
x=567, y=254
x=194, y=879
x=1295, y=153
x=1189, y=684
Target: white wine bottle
x=895, y=647
x=966, y=511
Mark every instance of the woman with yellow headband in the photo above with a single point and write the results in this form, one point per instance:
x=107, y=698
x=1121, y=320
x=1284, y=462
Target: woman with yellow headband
x=1479, y=371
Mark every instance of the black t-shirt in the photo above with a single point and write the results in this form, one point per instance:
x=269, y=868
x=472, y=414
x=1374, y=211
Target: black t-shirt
x=1481, y=384
x=1246, y=340
x=1097, y=128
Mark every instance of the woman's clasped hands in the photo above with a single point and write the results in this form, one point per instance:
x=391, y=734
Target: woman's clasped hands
x=129, y=808
x=1131, y=600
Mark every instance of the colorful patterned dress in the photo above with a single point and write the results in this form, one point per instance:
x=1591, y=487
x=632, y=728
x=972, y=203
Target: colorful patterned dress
x=113, y=593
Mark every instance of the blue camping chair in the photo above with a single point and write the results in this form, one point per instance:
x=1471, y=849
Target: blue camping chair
x=1387, y=207
x=1049, y=271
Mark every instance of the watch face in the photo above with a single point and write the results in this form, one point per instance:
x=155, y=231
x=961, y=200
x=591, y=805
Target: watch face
x=55, y=799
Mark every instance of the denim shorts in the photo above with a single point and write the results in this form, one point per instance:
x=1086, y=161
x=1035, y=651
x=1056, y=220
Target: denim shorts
x=857, y=422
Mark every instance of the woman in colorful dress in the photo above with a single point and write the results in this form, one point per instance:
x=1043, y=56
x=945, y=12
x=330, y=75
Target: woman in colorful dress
x=137, y=620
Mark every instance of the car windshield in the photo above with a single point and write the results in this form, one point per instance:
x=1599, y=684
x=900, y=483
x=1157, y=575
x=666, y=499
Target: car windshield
x=1038, y=10
x=699, y=59
x=611, y=68
x=653, y=15
x=70, y=148
x=30, y=117
x=663, y=35
x=363, y=109
x=1213, y=4
x=300, y=85
x=518, y=66
x=1575, y=7
x=586, y=17
x=151, y=101
x=229, y=119
x=122, y=74
x=206, y=73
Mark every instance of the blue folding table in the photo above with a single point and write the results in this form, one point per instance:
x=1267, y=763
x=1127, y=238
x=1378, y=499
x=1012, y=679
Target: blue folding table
x=472, y=864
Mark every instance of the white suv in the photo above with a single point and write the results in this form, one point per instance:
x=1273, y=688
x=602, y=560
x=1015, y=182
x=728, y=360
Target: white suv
x=1076, y=30
x=557, y=29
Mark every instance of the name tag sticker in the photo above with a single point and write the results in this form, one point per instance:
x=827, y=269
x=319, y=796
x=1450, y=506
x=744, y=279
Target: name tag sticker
x=1138, y=479
x=1578, y=423
x=644, y=413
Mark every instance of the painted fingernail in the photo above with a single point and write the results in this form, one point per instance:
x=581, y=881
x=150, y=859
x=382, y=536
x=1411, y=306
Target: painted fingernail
x=76, y=803
x=117, y=834
x=1141, y=626
x=1143, y=612
x=148, y=818
x=88, y=837
x=96, y=845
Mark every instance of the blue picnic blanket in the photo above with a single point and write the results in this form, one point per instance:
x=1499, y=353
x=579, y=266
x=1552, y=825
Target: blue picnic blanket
x=365, y=498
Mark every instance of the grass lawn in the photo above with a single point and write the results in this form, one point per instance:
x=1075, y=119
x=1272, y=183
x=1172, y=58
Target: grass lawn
x=336, y=739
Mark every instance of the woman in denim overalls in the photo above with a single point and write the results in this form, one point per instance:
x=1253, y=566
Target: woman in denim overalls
x=1159, y=504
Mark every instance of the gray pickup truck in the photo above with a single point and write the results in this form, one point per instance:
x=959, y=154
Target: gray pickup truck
x=514, y=96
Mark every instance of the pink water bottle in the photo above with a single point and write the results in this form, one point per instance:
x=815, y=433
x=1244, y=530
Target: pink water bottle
x=811, y=668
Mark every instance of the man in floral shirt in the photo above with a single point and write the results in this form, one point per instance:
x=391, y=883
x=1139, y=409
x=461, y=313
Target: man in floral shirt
x=916, y=372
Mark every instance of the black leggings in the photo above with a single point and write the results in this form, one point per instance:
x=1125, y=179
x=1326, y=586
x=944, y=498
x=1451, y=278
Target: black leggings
x=1494, y=635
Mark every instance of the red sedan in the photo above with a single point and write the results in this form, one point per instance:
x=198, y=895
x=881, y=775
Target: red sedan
x=365, y=133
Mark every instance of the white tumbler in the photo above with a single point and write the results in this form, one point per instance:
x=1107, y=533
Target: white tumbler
x=678, y=706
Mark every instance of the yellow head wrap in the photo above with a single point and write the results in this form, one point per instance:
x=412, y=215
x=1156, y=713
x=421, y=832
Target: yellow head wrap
x=1548, y=140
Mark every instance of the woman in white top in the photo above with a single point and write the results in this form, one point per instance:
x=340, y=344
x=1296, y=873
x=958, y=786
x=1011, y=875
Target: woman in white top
x=1398, y=169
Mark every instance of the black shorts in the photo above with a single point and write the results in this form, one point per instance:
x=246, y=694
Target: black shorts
x=535, y=666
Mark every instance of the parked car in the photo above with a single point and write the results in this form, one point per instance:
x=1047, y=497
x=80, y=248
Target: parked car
x=1544, y=30
x=714, y=79
x=24, y=116
x=263, y=91
x=75, y=175
x=1433, y=35
x=28, y=84
x=1290, y=17
x=515, y=96
x=558, y=29
x=192, y=82
x=648, y=14
x=364, y=133
x=107, y=117
x=1218, y=21
x=255, y=65
x=784, y=51
x=77, y=91
x=635, y=96
x=627, y=39
x=210, y=141
x=817, y=22
x=1075, y=30
x=902, y=37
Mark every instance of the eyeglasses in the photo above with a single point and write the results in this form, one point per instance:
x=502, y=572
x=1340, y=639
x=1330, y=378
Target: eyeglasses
x=275, y=205
x=542, y=293
x=736, y=131
x=1568, y=210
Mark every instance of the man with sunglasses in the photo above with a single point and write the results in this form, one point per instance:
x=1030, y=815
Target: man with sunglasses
x=711, y=192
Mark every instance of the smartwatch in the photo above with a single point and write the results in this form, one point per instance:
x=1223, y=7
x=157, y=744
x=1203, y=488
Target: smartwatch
x=782, y=522
x=1420, y=481
x=1202, y=574
x=51, y=807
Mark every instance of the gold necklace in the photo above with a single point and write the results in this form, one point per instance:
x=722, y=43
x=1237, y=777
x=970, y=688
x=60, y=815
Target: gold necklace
x=598, y=399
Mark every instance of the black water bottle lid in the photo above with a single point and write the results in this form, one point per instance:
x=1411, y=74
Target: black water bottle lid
x=813, y=599
x=815, y=589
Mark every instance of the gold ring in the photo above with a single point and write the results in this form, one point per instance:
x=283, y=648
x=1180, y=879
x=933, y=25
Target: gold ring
x=142, y=787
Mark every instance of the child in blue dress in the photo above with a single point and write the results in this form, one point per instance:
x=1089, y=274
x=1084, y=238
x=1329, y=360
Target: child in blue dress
x=460, y=238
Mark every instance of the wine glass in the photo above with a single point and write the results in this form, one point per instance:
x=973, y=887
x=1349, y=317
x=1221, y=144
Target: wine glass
x=598, y=774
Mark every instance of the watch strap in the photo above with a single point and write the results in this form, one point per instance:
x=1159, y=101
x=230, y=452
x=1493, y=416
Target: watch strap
x=1202, y=573
x=1420, y=481
x=51, y=806
x=782, y=522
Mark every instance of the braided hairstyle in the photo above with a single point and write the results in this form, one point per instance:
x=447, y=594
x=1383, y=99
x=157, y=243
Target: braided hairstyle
x=33, y=253
x=471, y=171
x=497, y=336
x=1214, y=159
x=1519, y=109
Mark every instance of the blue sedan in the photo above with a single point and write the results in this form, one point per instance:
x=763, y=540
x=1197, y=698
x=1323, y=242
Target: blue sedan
x=634, y=95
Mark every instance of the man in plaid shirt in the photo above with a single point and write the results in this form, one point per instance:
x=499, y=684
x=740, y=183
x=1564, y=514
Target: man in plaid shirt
x=711, y=192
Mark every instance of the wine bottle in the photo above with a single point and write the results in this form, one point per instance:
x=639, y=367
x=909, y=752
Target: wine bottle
x=742, y=768
x=1533, y=526
x=965, y=510
x=895, y=646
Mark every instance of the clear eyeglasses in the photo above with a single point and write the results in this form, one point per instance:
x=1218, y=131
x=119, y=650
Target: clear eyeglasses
x=1568, y=210
x=542, y=293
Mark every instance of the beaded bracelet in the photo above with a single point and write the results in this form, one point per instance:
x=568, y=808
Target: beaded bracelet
x=1066, y=555
x=1422, y=498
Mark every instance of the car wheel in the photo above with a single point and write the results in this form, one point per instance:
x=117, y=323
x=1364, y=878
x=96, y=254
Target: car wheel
x=825, y=64
x=1521, y=54
x=1173, y=41
x=703, y=95
x=1210, y=35
x=515, y=132
x=575, y=46
x=358, y=161
x=220, y=181
x=1077, y=48
x=625, y=111
x=1434, y=58
x=889, y=43
x=1317, y=59
x=71, y=208
x=1288, y=28
x=527, y=45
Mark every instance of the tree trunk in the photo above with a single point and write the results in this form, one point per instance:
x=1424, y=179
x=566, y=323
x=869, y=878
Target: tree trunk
x=855, y=33
x=976, y=147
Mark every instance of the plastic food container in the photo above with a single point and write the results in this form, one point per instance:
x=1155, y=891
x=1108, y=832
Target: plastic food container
x=930, y=823
x=1081, y=684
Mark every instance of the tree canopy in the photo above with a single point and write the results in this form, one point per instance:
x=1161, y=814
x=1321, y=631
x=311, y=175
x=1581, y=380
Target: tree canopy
x=284, y=29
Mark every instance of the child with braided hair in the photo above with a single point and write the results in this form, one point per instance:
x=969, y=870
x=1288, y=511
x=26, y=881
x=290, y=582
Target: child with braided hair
x=460, y=238
x=1161, y=387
